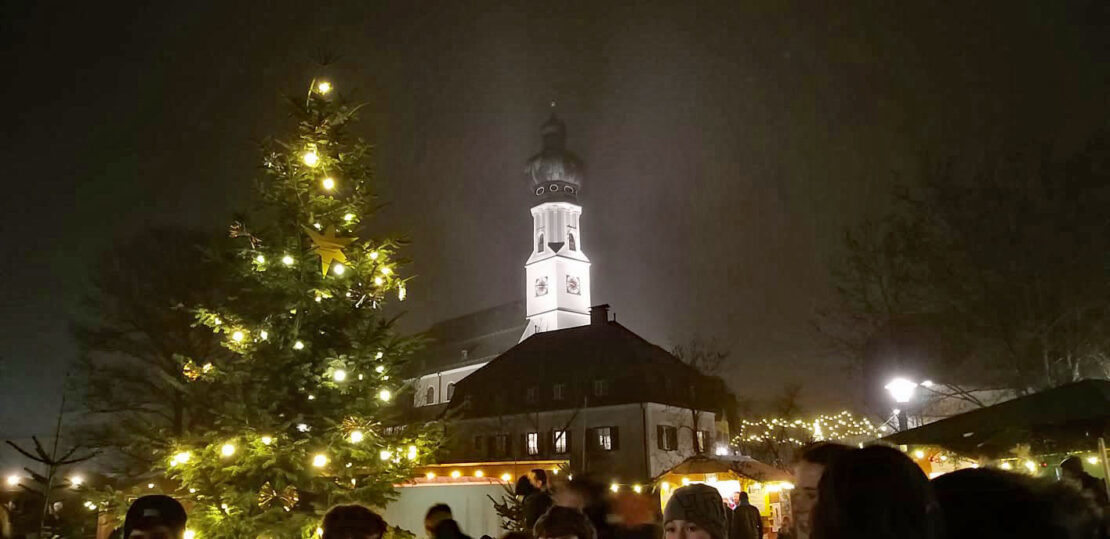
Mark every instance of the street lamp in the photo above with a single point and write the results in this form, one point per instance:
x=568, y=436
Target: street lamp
x=902, y=391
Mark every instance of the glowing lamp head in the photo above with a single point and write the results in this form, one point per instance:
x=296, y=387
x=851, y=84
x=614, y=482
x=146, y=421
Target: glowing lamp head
x=227, y=450
x=901, y=390
x=356, y=436
x=320, y=460
x=339, y=375
x=328, y=183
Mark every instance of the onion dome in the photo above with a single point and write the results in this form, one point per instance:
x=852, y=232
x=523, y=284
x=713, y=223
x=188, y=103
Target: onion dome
x=556, y=172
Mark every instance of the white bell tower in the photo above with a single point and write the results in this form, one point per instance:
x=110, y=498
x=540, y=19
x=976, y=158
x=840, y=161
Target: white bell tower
x=557, y=283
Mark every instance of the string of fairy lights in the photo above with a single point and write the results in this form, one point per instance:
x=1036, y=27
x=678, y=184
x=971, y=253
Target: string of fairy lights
x=797, y=431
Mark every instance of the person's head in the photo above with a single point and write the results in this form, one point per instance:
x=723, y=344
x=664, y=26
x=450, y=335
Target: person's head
x=985, y=503
x=694, y=512
x=352, y=522
x=1072, y=467
x=155, y=517
x=538, y=478
x=744, y=498
x=875, y=492
x=812, y=462
x=563, y=523
x=736, y=497
x=524, y=486
x=436, y=514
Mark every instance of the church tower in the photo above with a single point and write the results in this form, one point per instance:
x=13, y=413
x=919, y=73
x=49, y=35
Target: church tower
x=557, y=285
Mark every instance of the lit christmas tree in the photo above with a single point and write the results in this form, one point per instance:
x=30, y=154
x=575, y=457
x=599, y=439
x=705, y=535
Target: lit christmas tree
x=297, y=412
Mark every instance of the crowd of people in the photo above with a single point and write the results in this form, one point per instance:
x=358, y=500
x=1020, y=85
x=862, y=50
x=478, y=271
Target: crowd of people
x=840, y=492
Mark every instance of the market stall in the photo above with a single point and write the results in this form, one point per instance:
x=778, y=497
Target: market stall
x=767, y=487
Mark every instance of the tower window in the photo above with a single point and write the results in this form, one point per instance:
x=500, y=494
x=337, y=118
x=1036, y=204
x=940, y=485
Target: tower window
x=430, y=395
x=571, y=243
x=539, y=243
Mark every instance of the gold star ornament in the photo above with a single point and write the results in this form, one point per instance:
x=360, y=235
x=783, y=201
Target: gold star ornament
x=328, y=247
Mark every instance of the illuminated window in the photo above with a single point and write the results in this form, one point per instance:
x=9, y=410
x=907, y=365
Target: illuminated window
x=430, y=395
x=559, y=441
x=532, y=443
x=450, y=391
x=703, y=441
x=558, y=391
x=604, y=439
x=666, y=437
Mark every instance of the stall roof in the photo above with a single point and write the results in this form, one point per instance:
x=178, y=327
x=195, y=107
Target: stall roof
x=1068, y=417
x=750, y=468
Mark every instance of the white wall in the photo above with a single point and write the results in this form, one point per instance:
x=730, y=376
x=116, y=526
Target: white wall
x=469, y=504
x=439, y=381
x=683, y=419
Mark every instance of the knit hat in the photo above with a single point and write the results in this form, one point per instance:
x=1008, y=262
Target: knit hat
x=155, y=510
x=700, y=504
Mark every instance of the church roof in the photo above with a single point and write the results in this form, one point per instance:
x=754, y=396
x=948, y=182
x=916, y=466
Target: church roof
x=482, y=335
x=600, y=364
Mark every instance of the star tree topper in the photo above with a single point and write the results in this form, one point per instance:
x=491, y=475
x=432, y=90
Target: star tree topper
x=328, y=247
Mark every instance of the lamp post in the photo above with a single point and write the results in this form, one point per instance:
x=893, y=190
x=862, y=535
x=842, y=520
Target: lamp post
x=901, y=390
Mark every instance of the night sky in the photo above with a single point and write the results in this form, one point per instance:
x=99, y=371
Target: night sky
x=727, y=144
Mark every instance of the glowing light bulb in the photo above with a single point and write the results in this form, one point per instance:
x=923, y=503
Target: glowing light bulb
x=320, y=460
x=455, y=474
x=298, y=345
x=1092, y=460
x=479, y=474
x=310, y=158
x=919, y=454
x=192, y=491
x=385, y=454
x=150, y=485
x=1032, y=466
x=506, y=477
x=1007, y=466
x=373, y=255
x=614, y=487
x=189, y=534
x=379, y=369
x=379, y=355
x=338, y=269
x=287, y=260
x=319, y=531
x=378, y=281
x=402, y=293
x=356, y=436
x=263, y=335
x=385, y=395
x=328, y=183
x=685, y=481
x=412, y=452
x=637, y=489
x=76, y=480
x=303, y=428
x=237, y=336
x=386, y=270
x=267, y=440
x=430, y=475
x=227, y=450
x=349, y=217
x=182, y=457
x=324, y=87
x=339, y=375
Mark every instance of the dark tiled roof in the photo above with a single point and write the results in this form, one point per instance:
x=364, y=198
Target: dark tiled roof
x=632, y=369
x=483, y=335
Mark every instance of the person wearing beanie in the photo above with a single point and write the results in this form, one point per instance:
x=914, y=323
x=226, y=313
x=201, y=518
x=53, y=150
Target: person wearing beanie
x=155, y=517
x=563, y=523
x=695, y=512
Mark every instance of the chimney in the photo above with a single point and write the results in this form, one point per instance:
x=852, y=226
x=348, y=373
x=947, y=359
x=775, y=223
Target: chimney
x=599, y=314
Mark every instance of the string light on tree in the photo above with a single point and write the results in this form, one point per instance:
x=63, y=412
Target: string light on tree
x=298, y=345
x=310, y=158
x=338, y=269
x=323, y=87
x=287, y=260
x=227, y=450
x=356, y=436
x=385, y=395
x=320, y=460
x=266, y=440
x=237, y=336
x=328, y=183
x=339, y=375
